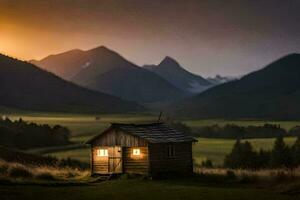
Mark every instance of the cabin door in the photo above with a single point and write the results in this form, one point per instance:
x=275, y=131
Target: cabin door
x=115, y=160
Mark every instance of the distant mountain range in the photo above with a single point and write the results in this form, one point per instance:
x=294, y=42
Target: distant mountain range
x=104, y=70
x=27, y=87
x=272, y=93
x=218, y=79
x=170, y=70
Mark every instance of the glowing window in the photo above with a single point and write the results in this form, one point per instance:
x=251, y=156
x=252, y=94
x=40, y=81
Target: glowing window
x=136, y=152
x=102, y=152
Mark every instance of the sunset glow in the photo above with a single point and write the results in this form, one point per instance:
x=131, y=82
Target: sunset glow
x=206, y=37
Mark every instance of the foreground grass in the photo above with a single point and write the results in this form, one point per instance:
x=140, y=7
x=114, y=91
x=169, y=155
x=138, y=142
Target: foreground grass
x=144, y=189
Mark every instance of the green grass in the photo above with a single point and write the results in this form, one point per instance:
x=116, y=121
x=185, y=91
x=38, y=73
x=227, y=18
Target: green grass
x=143, y=189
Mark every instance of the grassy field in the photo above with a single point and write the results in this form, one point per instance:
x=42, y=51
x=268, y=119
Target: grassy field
x=81, y=124
x=213, y=149
x=87, y=124
x=84, y=127
x=198, y=123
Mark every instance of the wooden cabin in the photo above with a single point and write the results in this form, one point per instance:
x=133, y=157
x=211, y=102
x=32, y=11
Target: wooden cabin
x=148, y=149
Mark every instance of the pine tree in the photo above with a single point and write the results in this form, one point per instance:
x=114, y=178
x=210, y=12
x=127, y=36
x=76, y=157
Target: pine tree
x=241, y=156
x=296, y=152
x=281, y=154
x=231, y=160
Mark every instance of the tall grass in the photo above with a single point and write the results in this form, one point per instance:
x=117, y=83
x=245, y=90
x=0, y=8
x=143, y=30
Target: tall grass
x=18, y=171
x=262, y=174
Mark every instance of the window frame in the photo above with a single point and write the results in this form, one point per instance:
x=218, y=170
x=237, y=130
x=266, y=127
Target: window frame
x=170, y=151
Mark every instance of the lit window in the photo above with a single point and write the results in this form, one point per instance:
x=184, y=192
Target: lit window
x=136, y=152
x=102, y=152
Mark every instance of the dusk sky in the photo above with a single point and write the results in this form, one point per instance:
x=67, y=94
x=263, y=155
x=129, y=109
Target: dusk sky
x=206, y=37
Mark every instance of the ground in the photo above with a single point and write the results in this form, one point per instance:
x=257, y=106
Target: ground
x=145, y=189
x=85, y=126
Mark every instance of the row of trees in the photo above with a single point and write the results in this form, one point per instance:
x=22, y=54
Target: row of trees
x=232, y=131
x=22, y=135
x=243, y=156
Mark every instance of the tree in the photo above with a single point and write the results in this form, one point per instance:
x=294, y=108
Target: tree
x=281, y=154
x=296, y=153
x=241, y=156
x=262, y=159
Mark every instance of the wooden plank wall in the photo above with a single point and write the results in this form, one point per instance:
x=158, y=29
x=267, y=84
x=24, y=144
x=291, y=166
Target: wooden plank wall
x=119, y=138
x=135, y=164
x=182, y=162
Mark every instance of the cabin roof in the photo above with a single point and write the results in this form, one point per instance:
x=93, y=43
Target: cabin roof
x=153, y=133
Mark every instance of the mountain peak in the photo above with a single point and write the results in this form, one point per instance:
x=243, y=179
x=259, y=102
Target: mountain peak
x=102, y=48
x=169, y=61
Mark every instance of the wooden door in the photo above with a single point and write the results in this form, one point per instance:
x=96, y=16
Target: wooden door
x=115, y=159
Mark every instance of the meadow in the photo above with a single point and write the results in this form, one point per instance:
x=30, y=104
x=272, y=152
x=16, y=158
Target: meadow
x=214, y=186
x=88, y=124
x=84, y=127
x=206, y=148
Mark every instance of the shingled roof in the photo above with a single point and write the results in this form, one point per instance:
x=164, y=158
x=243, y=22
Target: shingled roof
x=153, y=133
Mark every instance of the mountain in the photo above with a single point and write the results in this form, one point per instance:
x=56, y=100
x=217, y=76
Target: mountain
x=271, y=93
x=66, y=64
x=218, y=79
x=104, y=70
x=27, y=87
x=171, y=70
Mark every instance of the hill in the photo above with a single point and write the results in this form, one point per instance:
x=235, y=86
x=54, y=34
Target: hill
x=25, y=86
x=171, y=70
x=272, y=92
x=105, y=70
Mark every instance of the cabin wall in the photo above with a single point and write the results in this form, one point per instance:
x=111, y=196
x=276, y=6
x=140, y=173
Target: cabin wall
x=119, y=138
x=136, y=164
x=181, y=162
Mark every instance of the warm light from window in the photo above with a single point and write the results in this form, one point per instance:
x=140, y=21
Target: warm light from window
x=136, y=152
x=102, y=152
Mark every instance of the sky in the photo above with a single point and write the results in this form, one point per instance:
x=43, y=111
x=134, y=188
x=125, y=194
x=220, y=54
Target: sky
x=207, y=37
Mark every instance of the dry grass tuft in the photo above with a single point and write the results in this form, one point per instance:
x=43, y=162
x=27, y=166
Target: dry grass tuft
x=19, y=172
x=48, y=173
